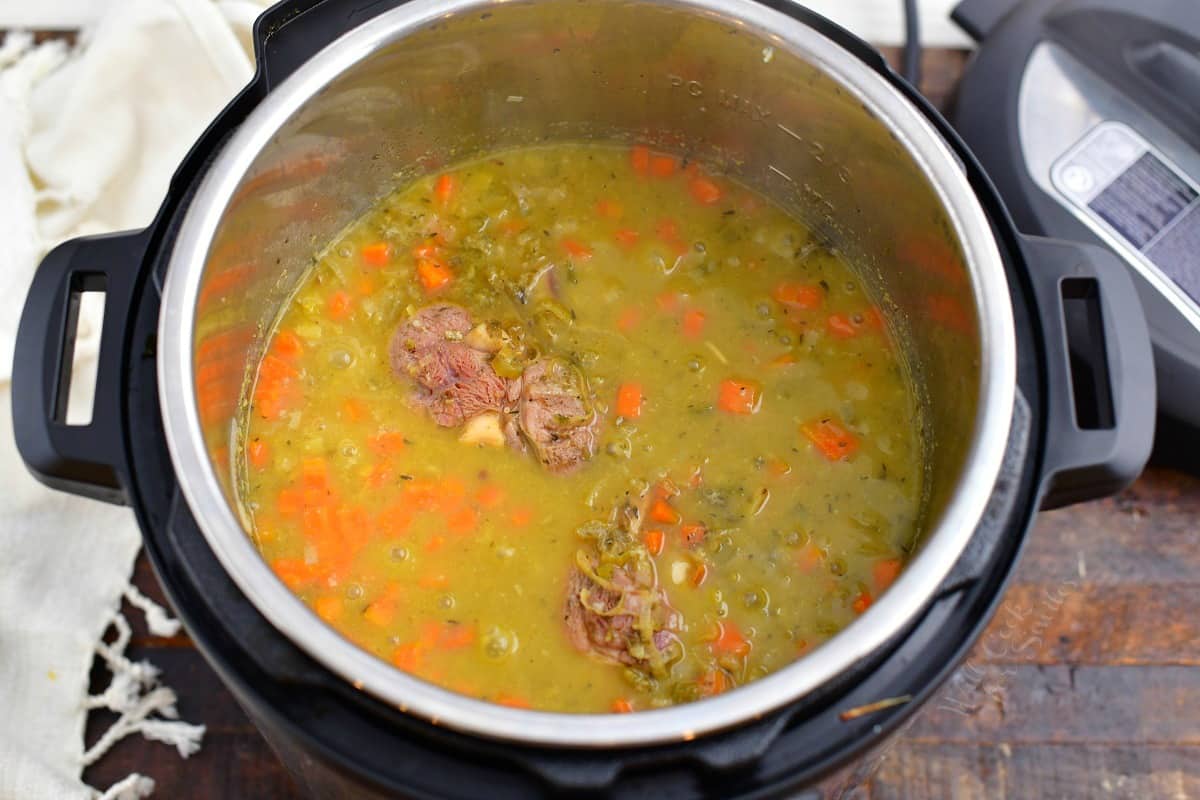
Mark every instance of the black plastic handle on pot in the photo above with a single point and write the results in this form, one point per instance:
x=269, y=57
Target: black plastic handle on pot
x=81, y=459
x=1101, y=395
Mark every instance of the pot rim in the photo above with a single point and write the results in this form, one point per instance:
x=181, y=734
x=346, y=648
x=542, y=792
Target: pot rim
x=908, y=596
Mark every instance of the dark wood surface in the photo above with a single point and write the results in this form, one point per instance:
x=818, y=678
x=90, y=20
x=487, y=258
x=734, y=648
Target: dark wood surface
x=1086, y=684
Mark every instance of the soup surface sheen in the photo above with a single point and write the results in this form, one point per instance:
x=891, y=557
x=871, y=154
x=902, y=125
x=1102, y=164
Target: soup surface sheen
x=691, y=446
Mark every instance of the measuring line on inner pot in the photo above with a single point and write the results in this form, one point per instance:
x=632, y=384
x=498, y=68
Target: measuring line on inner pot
x=821, y=125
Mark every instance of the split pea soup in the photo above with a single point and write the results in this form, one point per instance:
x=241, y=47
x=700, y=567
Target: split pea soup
x=582, y=428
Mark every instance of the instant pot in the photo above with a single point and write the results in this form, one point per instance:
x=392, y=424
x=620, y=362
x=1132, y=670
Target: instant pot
x=1032, y=356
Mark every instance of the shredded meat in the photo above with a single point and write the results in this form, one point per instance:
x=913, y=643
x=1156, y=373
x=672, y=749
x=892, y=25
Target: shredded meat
x=555, y=414
x=454, y=380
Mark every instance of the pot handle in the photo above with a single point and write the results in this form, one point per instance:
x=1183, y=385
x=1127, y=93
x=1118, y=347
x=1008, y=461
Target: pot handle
x=81, y=459
x=1101, y=398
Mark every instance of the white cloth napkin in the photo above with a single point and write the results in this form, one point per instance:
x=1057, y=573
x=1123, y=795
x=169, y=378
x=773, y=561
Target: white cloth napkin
x=89, y=138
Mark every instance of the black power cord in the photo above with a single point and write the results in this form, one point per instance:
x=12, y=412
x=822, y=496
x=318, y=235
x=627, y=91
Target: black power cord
x=911, y=67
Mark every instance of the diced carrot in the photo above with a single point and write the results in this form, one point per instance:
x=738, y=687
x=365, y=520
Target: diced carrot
x=654, y=540
x=258, y=453
x=699, y=574
x=661, y=511
x=875, y=319
x=388, y=443
x=340, y=304
x=628, y=320
x=622, y=705
x=464, y=520
x=799, y=295
x=629, y=400
x=834, y=441
x=434, y=275
x=627, y=237
x=434, y=545
x=292, y=571
x=520, y=517
x=809, y=558
x=714, y=683
x=704, y=190
x=377, y=254
x=355, y=409
x=314, y=473
x=382, y=610
x=409, y=656
x=456, y=637
x=667, y=229
x=513, y=701
x=288, y=344
x=316, y=522
x=274, y=369
x=861, y=603
x=692, y=534
x=289, y=501
x=693, y=323
x=489, y=496
x=365, y=286
x=667, y=301
x=609, y=209
x=663, y=166
x=784, y=360
x=577, y=249
x=328, y=607
x=382, y=474
x=696, y=479
x=434, y=581
x=639, y=159
x=841, y=326
x=885, y=573
x=444, y=189
x=730, y=640
x=739, y=397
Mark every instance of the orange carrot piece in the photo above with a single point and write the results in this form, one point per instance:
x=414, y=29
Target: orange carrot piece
x=365, y=286
x=377, y=254
x=739, y=397
x=841, y=326
x=629, y=400
x=609, y=209
x=577, y=249
x=489, y=496
x=292, y=571
x=834, y=441
x=513, y=701
x=520, y=517
x=433, y=275
x=258, y=454
x=289, y=501
x=661, y=511
x=463, y=521
x=704, y=190
x=667, y=229
x=861, y=603
x=456, y=637
x=801, y=296
x=885, y=573
x=699, y=575
x=639, y=159
x=355, y=409
x=730, y=640
x=627, y=237
x=628, y=320
x=778, y=467
x=784, y=360
x=288, y=344
x=314, y=473
x=692, y=533
x=340, y=304
x=654, y=539
x=809, y=558
x=663, y=166
x=382, y=610
x=388, y=443
x=622, y=705
x=328, y=607
x=408, y=657
x=667, y=301
x=444, y=189
x=693, y=323
x=434, y=545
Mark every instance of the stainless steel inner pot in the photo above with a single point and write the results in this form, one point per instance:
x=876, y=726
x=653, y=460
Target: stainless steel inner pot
x=780, y=106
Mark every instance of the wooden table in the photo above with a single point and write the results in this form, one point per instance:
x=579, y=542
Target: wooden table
x=1086, y=684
